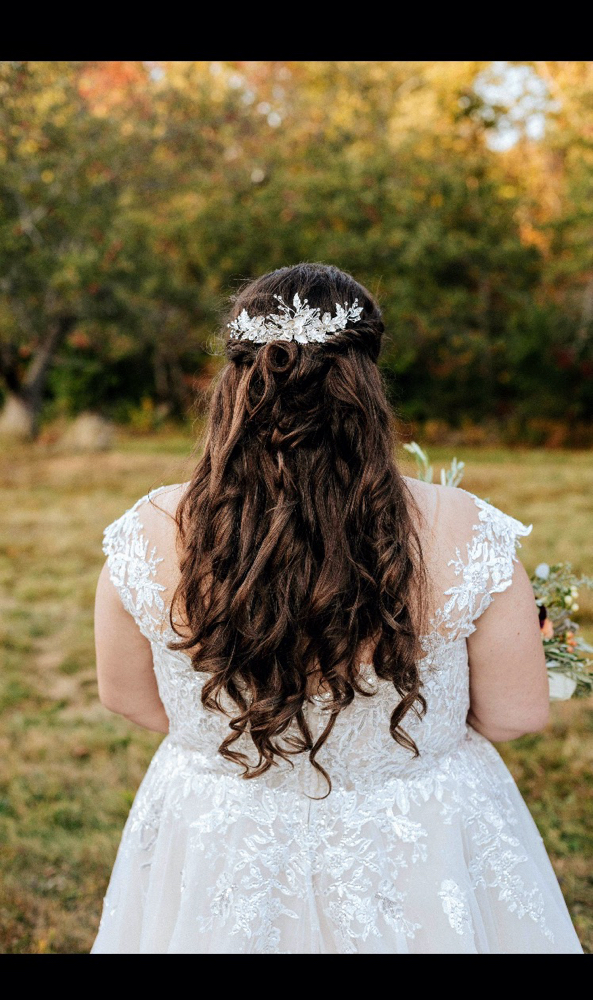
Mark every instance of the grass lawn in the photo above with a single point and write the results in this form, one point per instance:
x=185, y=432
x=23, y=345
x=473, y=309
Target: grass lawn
x=69, y=769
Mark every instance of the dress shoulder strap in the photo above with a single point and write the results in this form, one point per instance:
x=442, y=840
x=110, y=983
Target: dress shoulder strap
x=482, y=565
x=133, y=567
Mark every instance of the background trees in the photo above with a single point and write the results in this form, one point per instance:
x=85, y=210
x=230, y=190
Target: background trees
x=135, y=196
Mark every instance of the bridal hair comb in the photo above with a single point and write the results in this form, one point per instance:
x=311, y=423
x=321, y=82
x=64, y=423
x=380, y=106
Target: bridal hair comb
x=297, y=322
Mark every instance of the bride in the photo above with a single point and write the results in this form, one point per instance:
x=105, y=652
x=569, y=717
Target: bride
x=329, y=648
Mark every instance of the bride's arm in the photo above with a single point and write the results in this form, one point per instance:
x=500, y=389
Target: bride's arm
x=509, y=694
x=127, y=684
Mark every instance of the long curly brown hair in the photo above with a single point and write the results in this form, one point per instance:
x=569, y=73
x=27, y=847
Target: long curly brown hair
x=299, y=549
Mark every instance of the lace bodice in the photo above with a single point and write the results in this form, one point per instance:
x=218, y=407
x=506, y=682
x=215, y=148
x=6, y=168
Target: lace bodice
x=360, y=751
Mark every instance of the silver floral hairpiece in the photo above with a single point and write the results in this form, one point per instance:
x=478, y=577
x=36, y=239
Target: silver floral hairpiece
x=297, y=322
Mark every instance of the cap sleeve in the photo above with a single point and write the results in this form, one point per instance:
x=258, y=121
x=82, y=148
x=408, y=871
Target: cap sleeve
x=482, y=567
x=491, y=556
x=132, y=565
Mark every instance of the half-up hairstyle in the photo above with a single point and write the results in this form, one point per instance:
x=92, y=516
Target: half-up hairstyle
x=299, y=550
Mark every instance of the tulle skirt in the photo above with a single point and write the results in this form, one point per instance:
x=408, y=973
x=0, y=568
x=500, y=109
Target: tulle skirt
x=446, y=860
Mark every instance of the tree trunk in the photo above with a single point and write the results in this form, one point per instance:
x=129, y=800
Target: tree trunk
x=18, y=419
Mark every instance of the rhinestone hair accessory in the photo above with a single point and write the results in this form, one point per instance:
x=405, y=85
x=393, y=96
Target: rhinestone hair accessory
x=297, y=322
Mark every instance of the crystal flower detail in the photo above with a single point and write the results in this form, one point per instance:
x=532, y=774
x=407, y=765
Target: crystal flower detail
x=297, y=322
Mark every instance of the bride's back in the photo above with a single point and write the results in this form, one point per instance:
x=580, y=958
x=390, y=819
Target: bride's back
x=468, y=548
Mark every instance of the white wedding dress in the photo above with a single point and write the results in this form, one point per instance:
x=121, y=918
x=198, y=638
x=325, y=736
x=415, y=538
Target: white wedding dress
x=435, y=854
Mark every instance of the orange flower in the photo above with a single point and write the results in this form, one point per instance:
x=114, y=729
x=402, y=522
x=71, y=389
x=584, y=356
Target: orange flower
x=571, y=640
x=547, y=629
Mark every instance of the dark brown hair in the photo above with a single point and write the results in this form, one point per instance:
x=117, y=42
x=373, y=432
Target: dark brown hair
x=298, y=545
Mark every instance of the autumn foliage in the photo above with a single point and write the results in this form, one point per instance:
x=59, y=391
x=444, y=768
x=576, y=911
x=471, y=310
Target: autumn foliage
x=135, y=196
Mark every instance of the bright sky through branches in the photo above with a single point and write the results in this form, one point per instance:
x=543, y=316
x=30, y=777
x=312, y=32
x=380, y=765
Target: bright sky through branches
x=516, y=101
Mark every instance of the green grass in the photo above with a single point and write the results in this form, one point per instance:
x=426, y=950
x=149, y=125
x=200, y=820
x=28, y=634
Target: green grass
x=69, y=769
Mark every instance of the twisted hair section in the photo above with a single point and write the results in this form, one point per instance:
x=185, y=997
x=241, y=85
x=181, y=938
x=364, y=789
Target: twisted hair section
x=299, y=548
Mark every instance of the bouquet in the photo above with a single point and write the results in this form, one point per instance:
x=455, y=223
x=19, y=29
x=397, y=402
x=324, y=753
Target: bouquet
x=556, y=592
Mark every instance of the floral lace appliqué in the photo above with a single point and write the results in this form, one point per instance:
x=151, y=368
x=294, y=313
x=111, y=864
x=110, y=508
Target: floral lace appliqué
x=455, y=907
x=485, y=569
x=132, y=569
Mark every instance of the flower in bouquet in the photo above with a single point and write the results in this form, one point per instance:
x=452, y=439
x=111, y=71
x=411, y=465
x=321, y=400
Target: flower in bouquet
x=556, y=590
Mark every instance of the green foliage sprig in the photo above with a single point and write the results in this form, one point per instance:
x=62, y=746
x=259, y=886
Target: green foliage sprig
x=449, y=477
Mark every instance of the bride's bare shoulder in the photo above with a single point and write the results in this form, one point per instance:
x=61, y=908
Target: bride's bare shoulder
x=158, y=516
x=168, y=498
x=436, y=503
x=158, y=513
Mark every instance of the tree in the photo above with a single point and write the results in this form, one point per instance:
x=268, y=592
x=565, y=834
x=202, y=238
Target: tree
x=60, y=189
x=137, y=196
